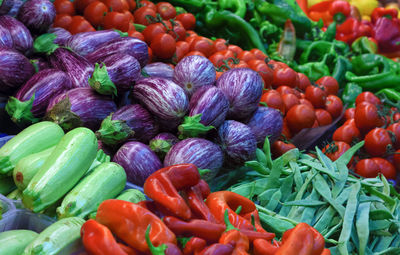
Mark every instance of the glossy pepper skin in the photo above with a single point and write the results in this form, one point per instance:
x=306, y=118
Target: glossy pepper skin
x=194, y=246
x=162, y=249
x=263, y=247
x=218, y=249
x=163, y=186
x=380, y=12
x=195, y=196
x=386, y=32
x=234, y=237
x=98, y=239
x=129, y=221
x=238, y=6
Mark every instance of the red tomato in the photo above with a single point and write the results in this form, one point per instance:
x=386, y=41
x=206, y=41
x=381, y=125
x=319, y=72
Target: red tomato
x=315, y=125
x=316, y=96
x=258, y=54
x=166, y=10
x=151, y=56
x=246, y=56
x=203, y=45
x=277, y=65
x=220, y=44
x=274, y=100
x=285, y=90
x=346, y=133
x=286, y=134
x=129, y=16
x=236, y=49
x=396, y=159
x=285, y=76
x=334, y=106
x=395, y=134
x=94, y=13
x=304, y=82
x=350, y=122
x=190, y=39
x=141, y=15
x=218, y=74
x=148, y=4
x=163, y=46
x=188, y=20
x=178, y=32
x=117, y=5
x=396, y=116
x=190, y=33
x=182, y=48
x=152, y=30
x=367, y=97
x=306, y=102
x=366, y=117
x=336, y=149
x=132, y=5
x=289, y=100
x=349, y=113
x=64, y=7
x=263, y=70
x=300, y=116
x=236, y=64
x=377, y=141
x=330, y=85
x=385, y=168
x=116, y=20
x=79, y=25
x=136, y=34
x=62, y=20
x=279, y=148
x=80, y=5
x=196, y=53
x=367, y=168
x=218, y=57
x=323, y=117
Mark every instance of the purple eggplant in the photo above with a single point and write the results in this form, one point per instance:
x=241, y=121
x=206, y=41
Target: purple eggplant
x=62, y=35
x=162, y=97
x=201, y=152
x=37, y=15
x=237, y=141
x=15, y=70
x=118, y=72
x=130, y=121
x=87, y=42
x=32, y=99
x=162, y=143
x=138, y=161
x=77, y=67
x=158, y=69
x=193, y=72
x=125, y=45
x=40, y=64
x=266, y=122
x=5, y=38
x=79, y=107
x=6, y=6
x=243, y=88
x=20, y=35
x=15, y=8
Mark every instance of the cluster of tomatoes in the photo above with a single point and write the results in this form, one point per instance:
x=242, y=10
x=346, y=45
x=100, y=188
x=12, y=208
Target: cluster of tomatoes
x=379, y=126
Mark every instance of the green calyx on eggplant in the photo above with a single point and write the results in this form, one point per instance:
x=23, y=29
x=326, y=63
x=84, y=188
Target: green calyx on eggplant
x=20, y=111
x=191, y=127
x=113, y=132
x=101, y=81
x=45, y=43
x=62, y=115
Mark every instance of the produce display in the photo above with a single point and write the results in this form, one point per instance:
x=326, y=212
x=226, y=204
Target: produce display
x=199, y=127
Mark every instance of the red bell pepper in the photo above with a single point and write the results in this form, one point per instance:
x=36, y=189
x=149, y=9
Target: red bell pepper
x=264, y=247
x=348, y=30
x=340, y=10
x=380, y=12
x=321, y=11
x=386, y=32
x=194, y=246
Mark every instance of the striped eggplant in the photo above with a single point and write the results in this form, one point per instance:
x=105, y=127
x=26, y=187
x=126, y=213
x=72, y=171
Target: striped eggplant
x=32, y=99
x=15, y=70
x=15, y=8
x=77, y=67
x=40, y=64
x=162, y=97
x=125, y=45
x=80, y=107
x=37, y=15
x=193, y=72
x=266, y=122
x=162, y=143
x=201, y=152
x=158, y=69
x=87, y=42
x=62, y=35
x=5, y=37
x=118, y=72
x=237, y=141
x=138, y=161
x=6, y=6
x=130, y=121
x=243, y=88
x=21, y=36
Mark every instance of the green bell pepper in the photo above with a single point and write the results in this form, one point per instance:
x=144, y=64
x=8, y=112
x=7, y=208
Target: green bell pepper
x=363, y=45
x=342, y=65
x=238, y=7
x=350, y=93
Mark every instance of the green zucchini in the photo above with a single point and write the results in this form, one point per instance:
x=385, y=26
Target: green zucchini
x=32, y=139
x=28, y=166
x=62, y=170
x=101, y=157
x=56, y=237
x=15, y=241
x=7, y=185
x=132, y=195
x=105, y=182
x=15, y=195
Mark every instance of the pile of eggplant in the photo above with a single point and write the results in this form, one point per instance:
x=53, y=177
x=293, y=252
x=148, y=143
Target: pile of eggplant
x=146, y=115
